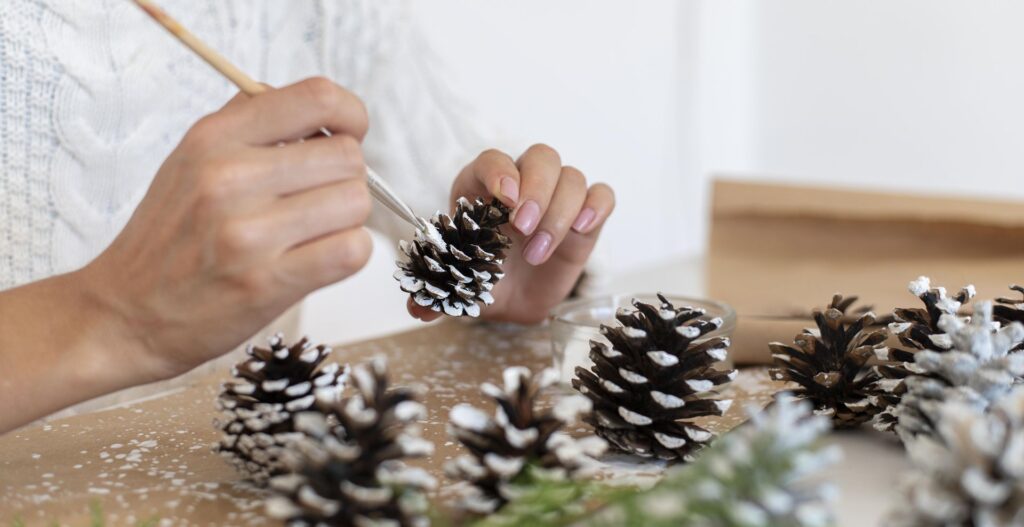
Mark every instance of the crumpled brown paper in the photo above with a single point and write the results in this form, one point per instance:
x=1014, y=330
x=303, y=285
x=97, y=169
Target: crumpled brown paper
x=777, y=251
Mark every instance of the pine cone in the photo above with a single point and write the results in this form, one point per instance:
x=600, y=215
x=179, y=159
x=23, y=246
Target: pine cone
x=1008, y=310
x=832, y=366
x=455, y=263
x=917, y=329
x=347, y=469
x=970, y=473
x=521, y=436
x=977, y=370
x=656, y=377
x=258, y=408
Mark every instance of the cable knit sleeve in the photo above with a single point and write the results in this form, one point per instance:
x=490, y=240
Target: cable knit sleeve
x=421, y=134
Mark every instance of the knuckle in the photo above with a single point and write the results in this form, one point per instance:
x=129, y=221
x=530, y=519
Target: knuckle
x=237, y=237
x=205, y=132
x=355, y=252
x=256, y=284
x=361, y=203
x=574, y=176
x=360, y=116
x=216, y=180
x=543, y=150
x=495, y=155
x=351, y=151
x=322, y=93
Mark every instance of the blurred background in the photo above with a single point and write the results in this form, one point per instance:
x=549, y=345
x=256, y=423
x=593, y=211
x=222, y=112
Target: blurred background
x=658, y=97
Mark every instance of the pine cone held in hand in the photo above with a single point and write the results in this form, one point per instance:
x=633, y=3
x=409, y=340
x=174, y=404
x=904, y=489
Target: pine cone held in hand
x=272, y=384
x=656, y=377
x=520, y=437
x=347, y=469
x=831, y=365
x=456, y=261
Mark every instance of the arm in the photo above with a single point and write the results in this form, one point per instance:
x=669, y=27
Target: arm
x=233, y=230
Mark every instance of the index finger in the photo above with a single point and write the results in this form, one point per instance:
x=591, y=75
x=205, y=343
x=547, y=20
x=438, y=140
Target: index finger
x=297, y=111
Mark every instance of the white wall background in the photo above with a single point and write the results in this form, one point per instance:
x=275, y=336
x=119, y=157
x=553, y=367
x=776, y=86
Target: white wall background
x=654, y=96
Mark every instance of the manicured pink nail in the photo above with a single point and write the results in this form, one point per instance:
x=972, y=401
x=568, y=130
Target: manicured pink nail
x=537, y=250
x=510, y=189
x=527, y=217
x=584, y=220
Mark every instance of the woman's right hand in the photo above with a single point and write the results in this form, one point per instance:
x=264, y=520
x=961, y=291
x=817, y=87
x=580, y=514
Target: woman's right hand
x=242, y=220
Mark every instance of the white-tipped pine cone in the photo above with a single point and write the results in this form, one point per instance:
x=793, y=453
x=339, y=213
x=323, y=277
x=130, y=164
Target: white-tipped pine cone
x=347, y=469
x=657, y=376
x=978, y=369
x=259, y=406
x=832, y=365
x=454, y=263
x=521, y=436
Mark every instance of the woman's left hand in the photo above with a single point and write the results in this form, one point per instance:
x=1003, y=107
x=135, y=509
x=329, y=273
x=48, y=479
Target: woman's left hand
x=555, y=221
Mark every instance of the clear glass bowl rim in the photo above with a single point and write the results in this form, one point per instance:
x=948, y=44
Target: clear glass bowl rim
x=558, y=314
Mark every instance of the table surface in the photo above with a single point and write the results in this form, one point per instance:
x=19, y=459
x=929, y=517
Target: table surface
x=152, y=458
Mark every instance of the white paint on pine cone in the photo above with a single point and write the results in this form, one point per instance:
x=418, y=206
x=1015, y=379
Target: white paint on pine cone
x=569, y=408
x=690, y=332
x=469, y=417
x=513, y=376
x=632, y=377
x=414, y=446
x=698, y=435
x=669, y=441
x=298, y=389
x=723, y=405
x=608, y=351
x=410, y=411
x=244, y=388
x=370, y=497
x=504, y=466
x=662, y=358
x=719, y=353
x=667, y=401
x=275, y=385
x=634, y=418
x=919, y=286
x=700, y=385
x=302, y=403
x=611, y=386
x=519, y=438
x=633, y=333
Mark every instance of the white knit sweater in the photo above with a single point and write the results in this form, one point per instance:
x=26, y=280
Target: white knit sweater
x=94, y=95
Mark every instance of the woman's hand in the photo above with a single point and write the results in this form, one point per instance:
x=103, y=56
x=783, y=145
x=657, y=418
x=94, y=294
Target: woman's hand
x=556, y=219
x=241, y=221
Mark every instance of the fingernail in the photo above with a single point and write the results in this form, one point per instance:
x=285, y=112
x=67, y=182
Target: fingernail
x=584, y=220
x=537, y=249
x=527, y=217
x=510, y=190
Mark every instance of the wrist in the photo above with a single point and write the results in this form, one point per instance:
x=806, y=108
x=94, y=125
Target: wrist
x=113, y=351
